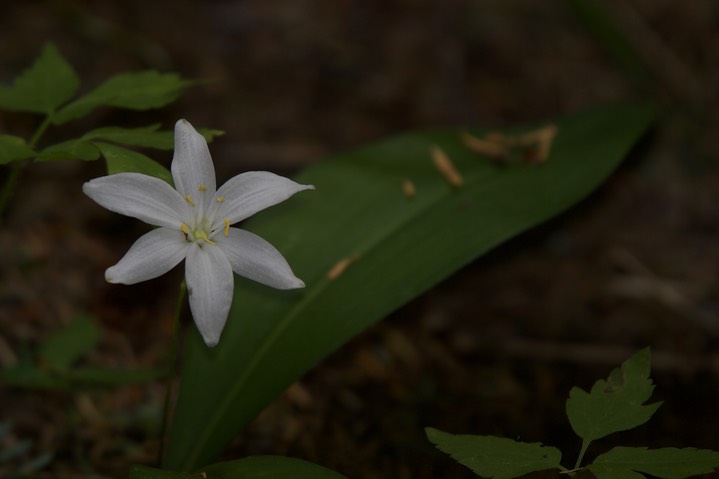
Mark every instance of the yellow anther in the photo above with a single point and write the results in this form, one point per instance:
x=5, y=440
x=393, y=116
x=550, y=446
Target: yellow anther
x=185, y=230
x=220, y=199
x=189, y=200
x=227, y=227
x=202, y=188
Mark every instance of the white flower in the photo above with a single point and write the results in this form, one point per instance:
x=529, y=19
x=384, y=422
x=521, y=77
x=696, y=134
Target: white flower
x=194, y=224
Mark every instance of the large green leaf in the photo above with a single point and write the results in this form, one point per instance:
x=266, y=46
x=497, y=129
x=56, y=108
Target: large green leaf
x=401, y=245
x=496, y=457
x=47, y=84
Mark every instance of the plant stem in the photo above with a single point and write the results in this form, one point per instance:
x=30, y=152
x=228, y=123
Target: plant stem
x=585, y=445
x=40, y=130
x=9, y=186
x=171, y=365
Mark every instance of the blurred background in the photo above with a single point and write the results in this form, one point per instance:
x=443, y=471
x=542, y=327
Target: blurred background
x=492, y=350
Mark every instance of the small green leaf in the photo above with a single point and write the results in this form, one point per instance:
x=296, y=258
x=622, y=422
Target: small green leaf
x=615, y=404
x=134, y=91
x=77, y=149
x=69, y=344
x=495, y=457
x=46, y=85
x=13, y=148
x=255, y=467
x=120, y=160
x=665, y=463
x=146, y=136
x=210, y=134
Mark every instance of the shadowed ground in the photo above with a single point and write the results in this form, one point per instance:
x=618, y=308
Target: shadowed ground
x=494, y=349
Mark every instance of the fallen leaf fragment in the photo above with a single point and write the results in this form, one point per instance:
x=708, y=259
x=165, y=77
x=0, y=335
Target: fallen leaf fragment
x=445, y=166
x=492, y=145
x=340, y=267
x=535, y=145
x=408, y=188
x=540, y=142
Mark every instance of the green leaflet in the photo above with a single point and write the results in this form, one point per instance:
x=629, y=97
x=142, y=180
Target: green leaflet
x=401, y=246
x=43, y=87
x=615, y=404
x=666, y=463
x=121, y=160
x=70, y=343
x=496, y=457
x=14, y=148
x=135, y=91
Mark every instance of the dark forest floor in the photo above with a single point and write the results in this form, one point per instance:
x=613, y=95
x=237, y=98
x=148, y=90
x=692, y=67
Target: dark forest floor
x=492, y=350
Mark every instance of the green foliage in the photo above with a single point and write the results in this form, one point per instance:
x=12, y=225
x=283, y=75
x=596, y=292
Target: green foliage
x=13, y=148
x=615, y=404
x=78, y=149
x=69, y=344
x=255, y=467
x=147, y=136
x=42, y=88
x=134, y=91
x=120, y=160
x=496, y=457
x=394, y=247
x=47, y=86
x=55, y=363
x=612, y=37
x=666, y=463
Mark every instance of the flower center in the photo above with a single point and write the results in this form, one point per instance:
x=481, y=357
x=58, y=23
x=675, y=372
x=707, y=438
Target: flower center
x=202, y=228
x=196, y=235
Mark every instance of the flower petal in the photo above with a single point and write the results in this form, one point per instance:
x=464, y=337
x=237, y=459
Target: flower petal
x=141, y=196
x=210, y=287
x=247, y=193
x=152, y=255
x=192, y=168
x=256, y=259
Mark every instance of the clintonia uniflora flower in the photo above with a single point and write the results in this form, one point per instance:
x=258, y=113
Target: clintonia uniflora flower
x=194, y=224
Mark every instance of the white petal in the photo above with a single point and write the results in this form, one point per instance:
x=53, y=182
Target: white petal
x=153, y=254
x=140, y=196
x=247, y=193
x=210, y=287
x=256, y=259
x=192, y=168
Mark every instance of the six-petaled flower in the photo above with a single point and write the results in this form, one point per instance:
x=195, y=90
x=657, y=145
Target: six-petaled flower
x=194, y=223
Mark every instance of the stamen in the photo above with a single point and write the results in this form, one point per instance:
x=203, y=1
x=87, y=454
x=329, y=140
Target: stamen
x=220, y=199
x=185, y=231
x=227, y=227
x=203, y=236
x=189, y=200
x=202, y=188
